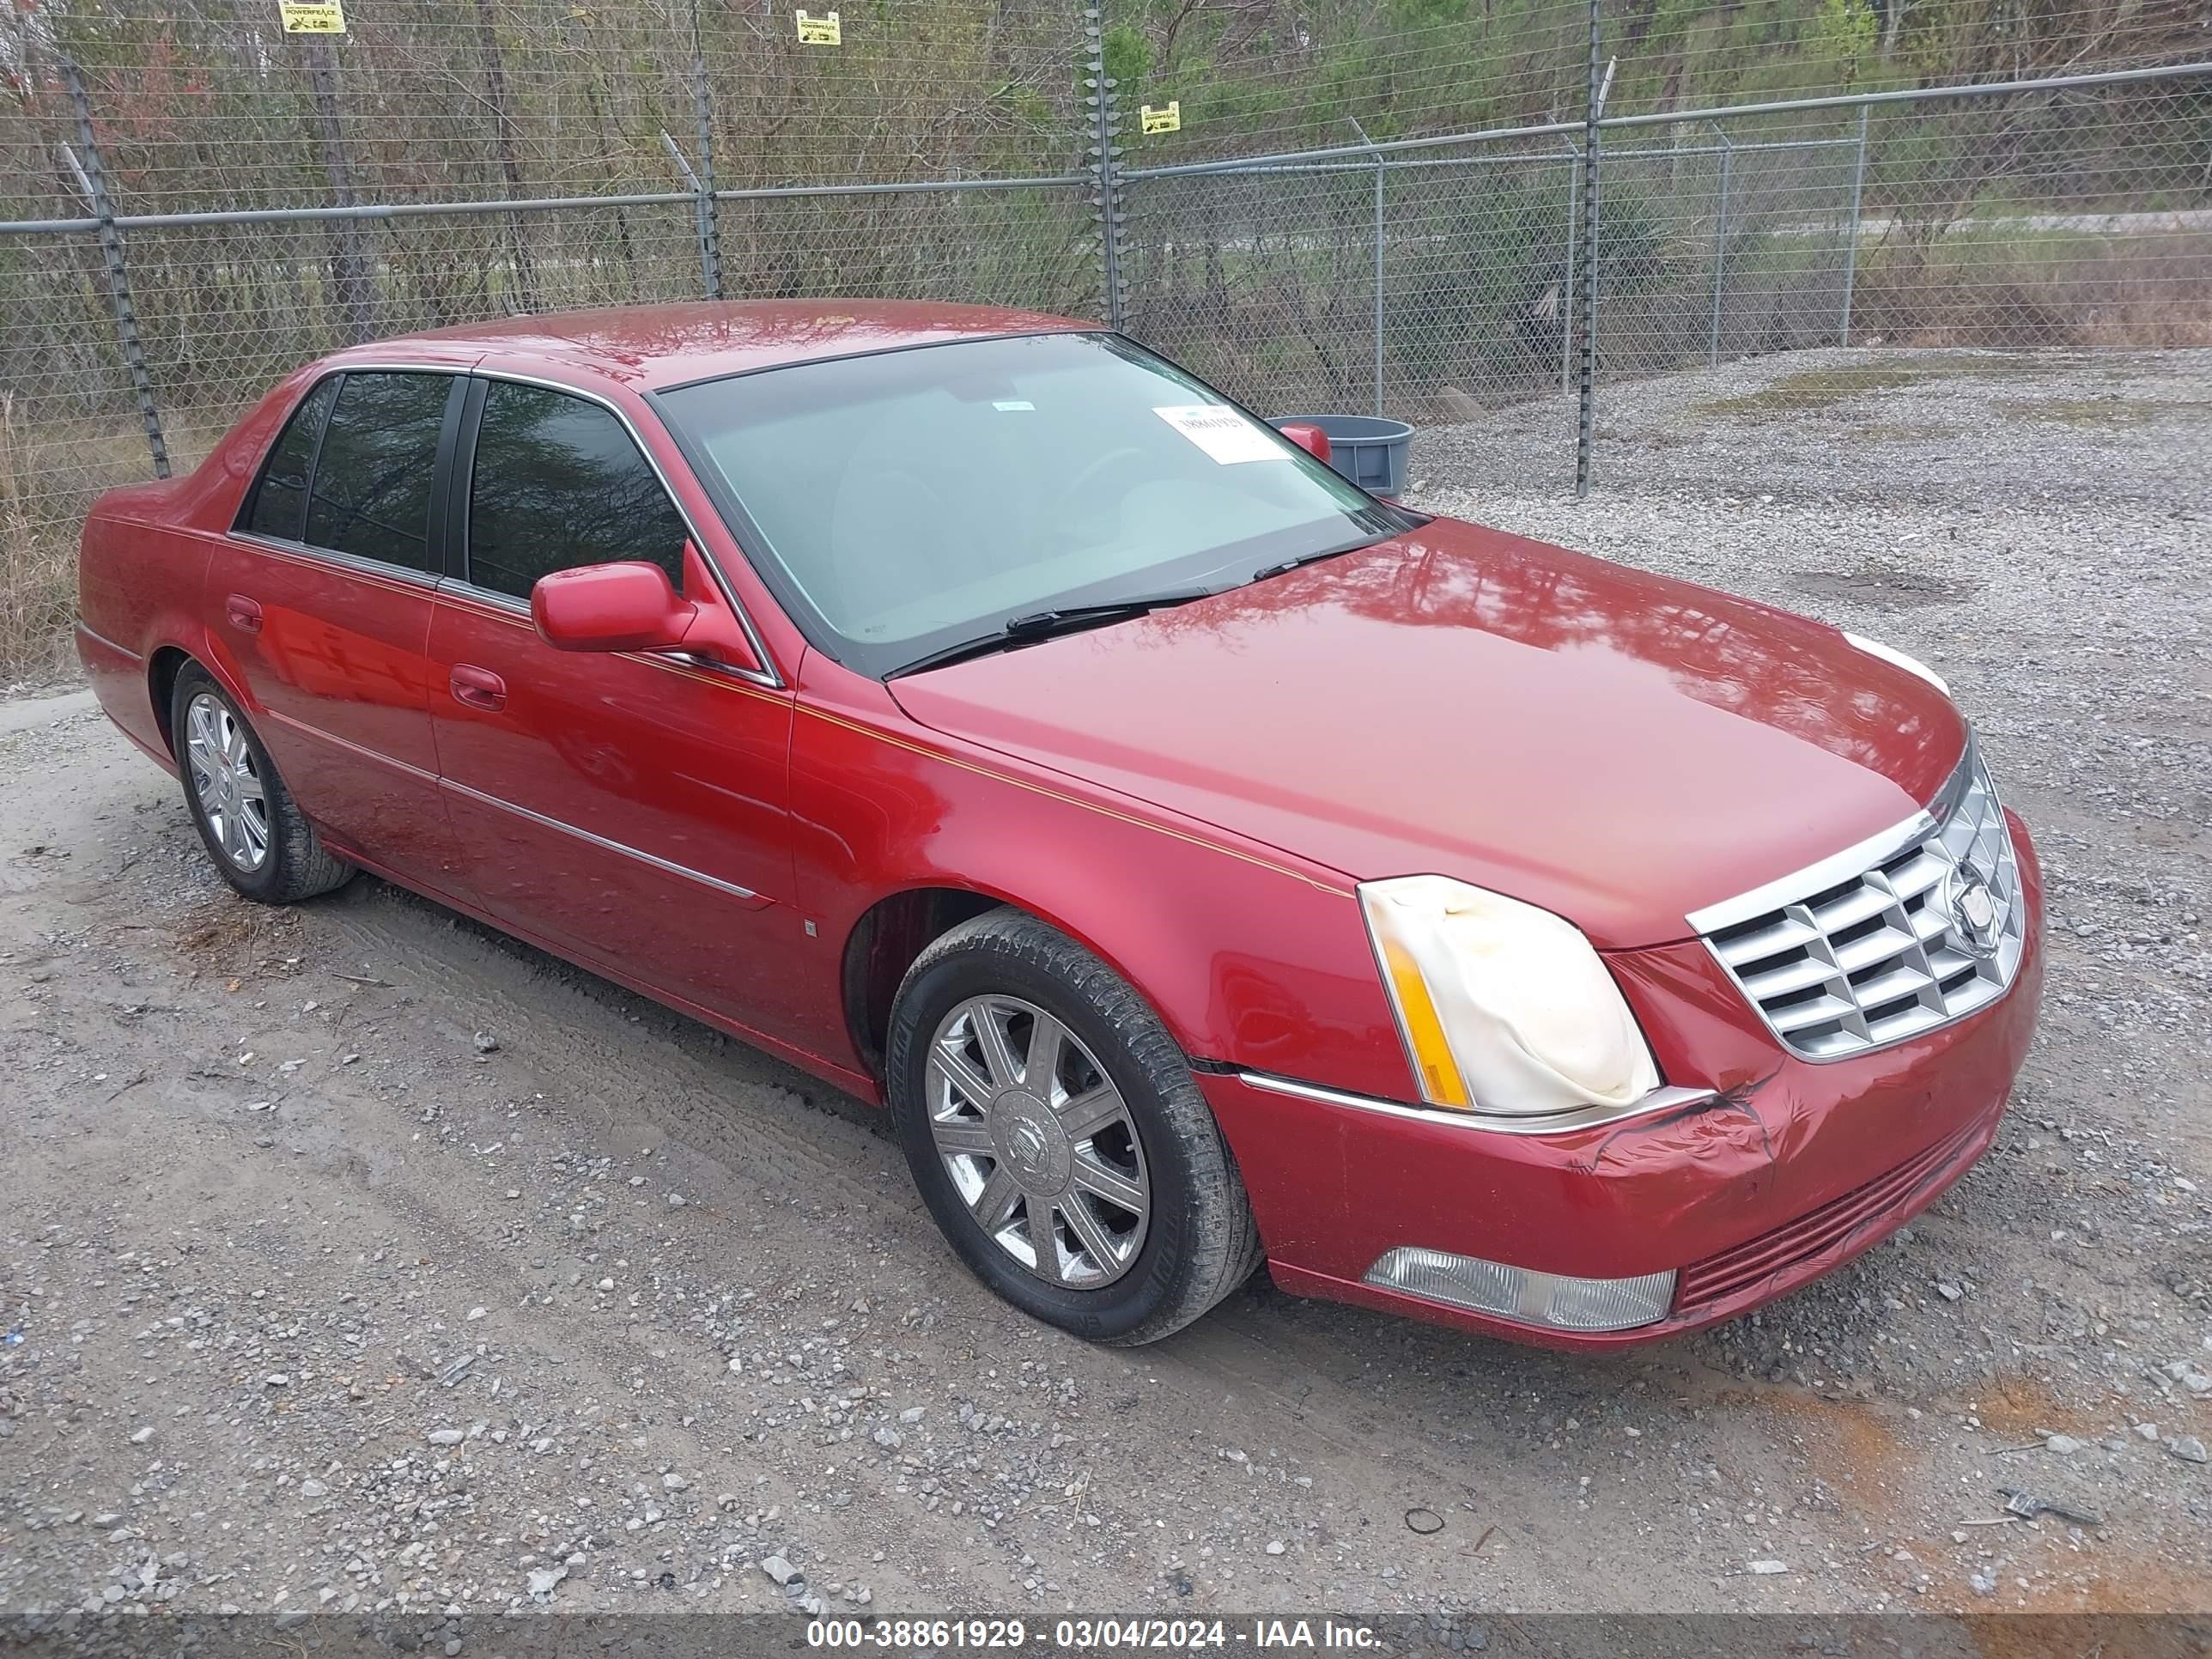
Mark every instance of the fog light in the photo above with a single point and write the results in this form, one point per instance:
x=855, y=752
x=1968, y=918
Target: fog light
x=1516, y=1293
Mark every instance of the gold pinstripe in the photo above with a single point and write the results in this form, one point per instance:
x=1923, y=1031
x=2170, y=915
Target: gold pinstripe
x=499, y=614
x=1077, y=800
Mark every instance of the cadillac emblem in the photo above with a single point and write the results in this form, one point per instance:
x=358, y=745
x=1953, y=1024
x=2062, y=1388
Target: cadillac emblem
x=1973, y=905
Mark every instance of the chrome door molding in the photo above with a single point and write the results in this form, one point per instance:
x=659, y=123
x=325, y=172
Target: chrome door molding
x=350, y=747
x=601, y=842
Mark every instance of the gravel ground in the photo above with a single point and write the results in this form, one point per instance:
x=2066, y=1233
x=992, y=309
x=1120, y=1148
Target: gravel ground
x=355, y=1257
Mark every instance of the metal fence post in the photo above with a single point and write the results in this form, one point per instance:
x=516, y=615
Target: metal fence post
x=94, y=178
x=1379, y=177
x=1720, y=250
x=1379, y=180
x=1105, y=167
x=1567, y=302
x=702, y=105
x=1586, y=411
x=1851, y=230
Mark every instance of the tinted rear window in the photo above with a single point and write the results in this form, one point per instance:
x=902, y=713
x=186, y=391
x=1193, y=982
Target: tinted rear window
x=279, y=507
x=371, y=484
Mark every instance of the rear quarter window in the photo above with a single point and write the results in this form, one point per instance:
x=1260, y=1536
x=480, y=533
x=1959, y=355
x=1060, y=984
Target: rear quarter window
x=278, y=505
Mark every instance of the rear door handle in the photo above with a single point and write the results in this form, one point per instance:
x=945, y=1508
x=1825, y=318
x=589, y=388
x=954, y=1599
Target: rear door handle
x=476, y=688
x=242, y=613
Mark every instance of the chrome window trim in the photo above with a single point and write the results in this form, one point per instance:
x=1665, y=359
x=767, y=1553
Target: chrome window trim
x=767, y=675
x=490, y=596
x=1663, y=1098
x=428, y=581
x=601, y=842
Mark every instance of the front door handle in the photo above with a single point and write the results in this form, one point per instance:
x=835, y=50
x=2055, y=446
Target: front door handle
x=476, y=688
x=242, y=613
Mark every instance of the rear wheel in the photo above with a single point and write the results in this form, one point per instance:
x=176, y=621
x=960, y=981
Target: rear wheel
x=1055, y=1134
x=254, y=830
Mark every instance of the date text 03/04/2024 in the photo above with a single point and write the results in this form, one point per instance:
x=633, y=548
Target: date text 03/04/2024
x=1087, y=1634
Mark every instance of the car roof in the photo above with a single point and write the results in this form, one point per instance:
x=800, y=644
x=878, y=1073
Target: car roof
x=651, y=346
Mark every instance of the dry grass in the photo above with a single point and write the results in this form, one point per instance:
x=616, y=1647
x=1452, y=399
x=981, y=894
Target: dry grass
x=232, y=941
x=51, y=470
x=1824, y=388
x=2107, y=412
x=35, y=564
x=2041, y=289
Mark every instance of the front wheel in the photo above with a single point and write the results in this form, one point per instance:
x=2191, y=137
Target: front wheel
x=1055, y=1134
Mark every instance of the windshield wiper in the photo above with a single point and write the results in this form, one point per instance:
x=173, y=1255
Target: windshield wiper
x=1032, y=625
x=1284, y=567
x=1039, y=624
x=1384, y=525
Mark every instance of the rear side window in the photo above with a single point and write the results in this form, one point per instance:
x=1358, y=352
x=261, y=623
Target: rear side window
x=371, y=492
x=560, y=483
x=279, y=508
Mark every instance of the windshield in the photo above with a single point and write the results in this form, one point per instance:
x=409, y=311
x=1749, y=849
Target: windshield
x=909, y=502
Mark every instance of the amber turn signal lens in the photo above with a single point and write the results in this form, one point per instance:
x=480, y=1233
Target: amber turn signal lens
x=1441, y=1082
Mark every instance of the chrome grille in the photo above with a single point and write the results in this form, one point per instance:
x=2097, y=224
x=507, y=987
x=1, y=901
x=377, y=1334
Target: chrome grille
x=1894, y=943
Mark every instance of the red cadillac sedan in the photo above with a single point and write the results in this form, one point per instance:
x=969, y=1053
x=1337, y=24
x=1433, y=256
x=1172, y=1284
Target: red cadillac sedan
x=1203, y=859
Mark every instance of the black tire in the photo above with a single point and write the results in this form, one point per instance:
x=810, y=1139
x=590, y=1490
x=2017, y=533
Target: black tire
x=1199, y=1242
x=295, y=865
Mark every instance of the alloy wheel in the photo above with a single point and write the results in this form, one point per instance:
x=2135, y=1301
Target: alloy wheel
x=226, y=781
x=1038, y=1141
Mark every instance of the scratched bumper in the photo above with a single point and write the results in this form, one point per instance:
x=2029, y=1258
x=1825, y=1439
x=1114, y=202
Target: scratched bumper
x=1833, y=1157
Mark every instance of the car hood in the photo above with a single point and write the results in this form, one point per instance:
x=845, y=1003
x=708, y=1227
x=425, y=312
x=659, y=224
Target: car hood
x=1618, y=747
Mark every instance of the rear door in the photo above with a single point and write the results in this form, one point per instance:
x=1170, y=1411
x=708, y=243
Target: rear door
x=628, y=808
x=320, y=598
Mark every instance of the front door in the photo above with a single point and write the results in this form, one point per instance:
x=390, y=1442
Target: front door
x=626, y=808
x=321, y=599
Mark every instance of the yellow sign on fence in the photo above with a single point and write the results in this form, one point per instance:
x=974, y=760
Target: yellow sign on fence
x=1163, y=120
x=312, y=16
x=820, y=31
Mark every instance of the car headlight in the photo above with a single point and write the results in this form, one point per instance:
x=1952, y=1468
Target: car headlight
x=1890, y=654
x=1503, y=1007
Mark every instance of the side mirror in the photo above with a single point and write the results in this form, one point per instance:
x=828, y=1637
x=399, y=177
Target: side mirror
x=1307, y=437
x=630, y=606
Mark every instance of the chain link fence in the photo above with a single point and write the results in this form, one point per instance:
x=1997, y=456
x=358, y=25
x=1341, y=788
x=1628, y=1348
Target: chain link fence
x=193, y=201
x=1433, y=281
x=1367, y=210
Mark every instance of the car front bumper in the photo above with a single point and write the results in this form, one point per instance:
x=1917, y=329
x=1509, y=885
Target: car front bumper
x=1787, y=1169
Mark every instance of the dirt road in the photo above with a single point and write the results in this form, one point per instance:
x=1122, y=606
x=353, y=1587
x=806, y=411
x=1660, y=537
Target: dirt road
x=354, y=1256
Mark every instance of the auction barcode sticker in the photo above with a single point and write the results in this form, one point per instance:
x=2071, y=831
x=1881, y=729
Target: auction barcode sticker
x=1224, y=434
x=312, y=16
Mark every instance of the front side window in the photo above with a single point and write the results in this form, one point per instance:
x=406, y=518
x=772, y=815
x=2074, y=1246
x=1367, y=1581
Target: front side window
x=559, y=483
x=908, y=501
x=370, y=493
x=279, y=507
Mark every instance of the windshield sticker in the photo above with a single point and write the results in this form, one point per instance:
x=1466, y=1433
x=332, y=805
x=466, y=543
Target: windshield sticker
x=1222, y=433
x=1014, y=403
